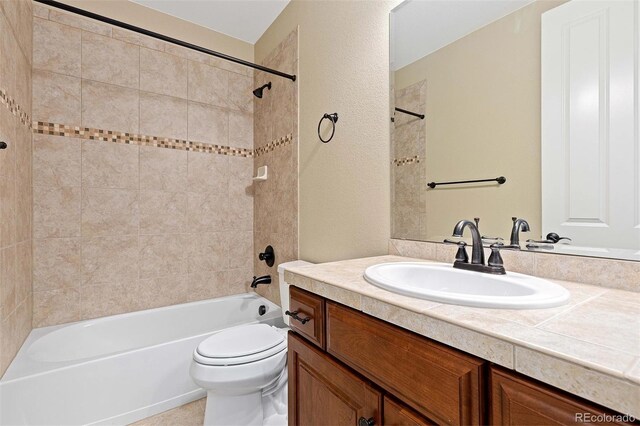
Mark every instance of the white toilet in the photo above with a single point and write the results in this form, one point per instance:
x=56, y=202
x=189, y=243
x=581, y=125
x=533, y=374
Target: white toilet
x=244, y=371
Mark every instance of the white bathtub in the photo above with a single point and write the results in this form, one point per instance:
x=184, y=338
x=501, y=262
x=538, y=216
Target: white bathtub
x=118, y=369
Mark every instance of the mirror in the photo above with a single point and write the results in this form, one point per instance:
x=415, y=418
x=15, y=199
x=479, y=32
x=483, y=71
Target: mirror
x=536, y=99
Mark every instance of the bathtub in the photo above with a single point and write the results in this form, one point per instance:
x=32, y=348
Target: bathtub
x=118, y=369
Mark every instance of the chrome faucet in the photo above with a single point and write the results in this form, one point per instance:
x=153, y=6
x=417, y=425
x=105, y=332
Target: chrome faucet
x=265, y=279
x=518, y=225
x=495, y=264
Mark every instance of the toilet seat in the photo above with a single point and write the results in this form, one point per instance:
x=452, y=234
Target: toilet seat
x=241, y=345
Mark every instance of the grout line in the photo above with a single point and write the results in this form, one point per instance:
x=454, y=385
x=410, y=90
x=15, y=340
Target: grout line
x=571, y=308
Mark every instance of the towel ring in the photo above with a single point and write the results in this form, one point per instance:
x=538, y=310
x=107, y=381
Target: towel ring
x=334, y=119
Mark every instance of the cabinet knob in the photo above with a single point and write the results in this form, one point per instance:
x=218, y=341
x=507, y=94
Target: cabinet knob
x=365, y=422
x=3, y=145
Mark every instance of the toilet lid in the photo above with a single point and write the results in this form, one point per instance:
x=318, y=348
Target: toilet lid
x=239, y=345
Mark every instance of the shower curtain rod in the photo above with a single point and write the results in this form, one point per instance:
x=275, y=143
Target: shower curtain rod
x=415, y=114
x=129, y=27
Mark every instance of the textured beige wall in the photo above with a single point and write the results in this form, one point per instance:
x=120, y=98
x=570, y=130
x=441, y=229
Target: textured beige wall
x=15, y=178
x=344, y=68
x=483, y=121
x=150, y=19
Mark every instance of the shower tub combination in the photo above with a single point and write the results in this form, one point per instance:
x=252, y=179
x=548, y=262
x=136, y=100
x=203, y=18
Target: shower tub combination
x=118, y=369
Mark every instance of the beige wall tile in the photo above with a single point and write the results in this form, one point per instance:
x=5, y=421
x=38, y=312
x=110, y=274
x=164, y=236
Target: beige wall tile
x=24, y=320
x=56, y=47
x=110, y=61
x=163, y=116
x=8, y=280
x=611, y=273
x=207, y=212
x=56, y=212
x=109, y=260
x=8, y=134
x=56, y=263
x=40, y=11
x=417, y=249
x=109, y=107
x=8, y=49
x=241, y=194
x=163, y=169
x=283, y=107
x=56, y=161
x=159, y=291
x=7, y=212
x=56, y=98
x=208, y=284
x=55, y=307
x=163, y=73
x=103, y=300
x=240, y=130
x=80, y=22
x=162, y=255
x=241, y=251
x=230, y=66
x=208, y=124
x=24, y=266
x=241, y=92
x=162, y=212
x=109, y=165
x=109, y=212
x=23, y=27
x=208, y=173
x=23, y=83
x=209, y=251
x=136, y=38
x=208, y=85
x=183, y=52
x=24, y=179
x=8, y=336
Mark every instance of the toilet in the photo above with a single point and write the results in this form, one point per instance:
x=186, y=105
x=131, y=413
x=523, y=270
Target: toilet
x=243, y=369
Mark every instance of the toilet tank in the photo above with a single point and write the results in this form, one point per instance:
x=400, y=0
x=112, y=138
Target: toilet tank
x=284, y=287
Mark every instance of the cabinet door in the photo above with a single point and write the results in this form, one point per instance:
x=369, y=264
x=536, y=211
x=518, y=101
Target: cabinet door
x=398, y=414
x=323, y=392
x=439, y=382
x=520, y=401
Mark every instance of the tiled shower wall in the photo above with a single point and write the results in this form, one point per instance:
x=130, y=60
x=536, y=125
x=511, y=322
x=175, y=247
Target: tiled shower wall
x=276, y=145
x=142, y=172
x=408, y=171
x=15, y=177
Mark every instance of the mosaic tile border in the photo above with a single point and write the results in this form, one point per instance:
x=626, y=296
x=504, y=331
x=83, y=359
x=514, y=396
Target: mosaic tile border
x=56, y=129
x=283, y=141
x=406, y=160
x=14, y=108
x=88, y=133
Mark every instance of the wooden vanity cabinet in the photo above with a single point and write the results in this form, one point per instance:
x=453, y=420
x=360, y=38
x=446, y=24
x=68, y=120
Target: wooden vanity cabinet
x=322, y=392
x=395, y=413
x=517, y=400
x=347, y=368
x=306, y=315
x=439, y=382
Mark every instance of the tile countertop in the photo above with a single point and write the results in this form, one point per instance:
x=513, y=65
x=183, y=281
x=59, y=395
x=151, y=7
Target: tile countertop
x=589, y=347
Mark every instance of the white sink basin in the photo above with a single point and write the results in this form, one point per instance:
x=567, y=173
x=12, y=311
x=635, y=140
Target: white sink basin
x=444, y=283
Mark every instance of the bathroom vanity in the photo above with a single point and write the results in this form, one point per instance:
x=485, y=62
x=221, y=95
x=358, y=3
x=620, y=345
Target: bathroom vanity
x=348, y=367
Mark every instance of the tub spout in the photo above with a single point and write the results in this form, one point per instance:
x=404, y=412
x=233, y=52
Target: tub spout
x=265, y=279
